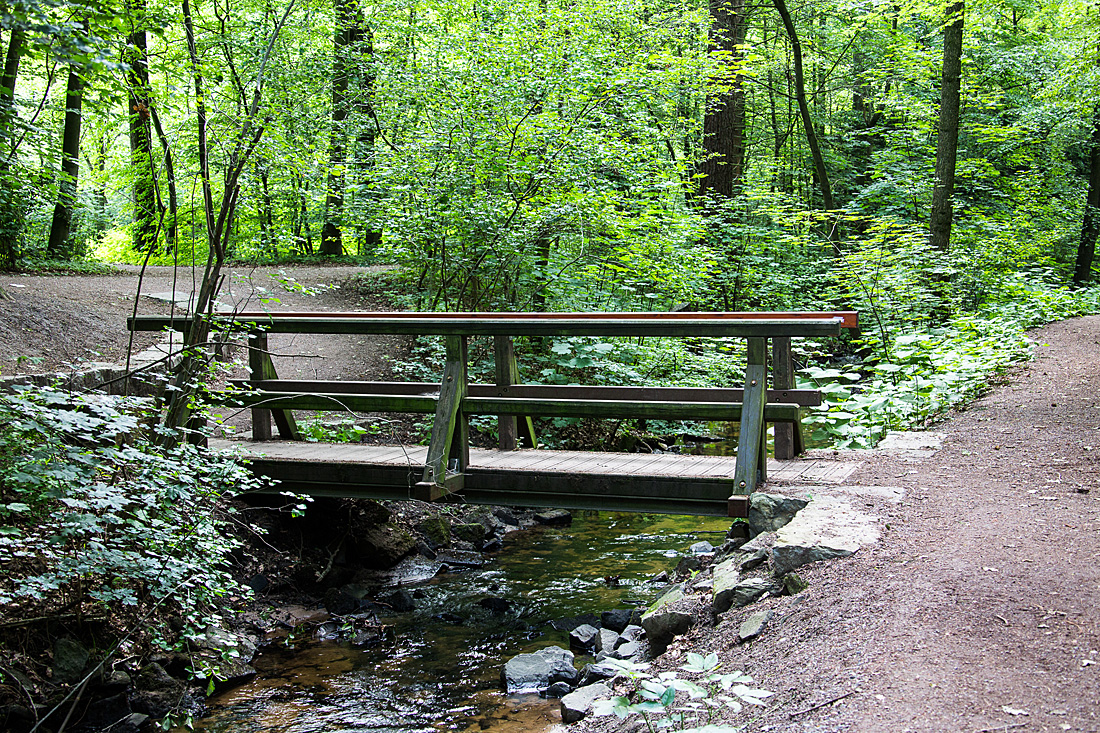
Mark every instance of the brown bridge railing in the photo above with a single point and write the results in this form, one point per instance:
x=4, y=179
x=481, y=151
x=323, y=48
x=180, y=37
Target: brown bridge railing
x=453, y=399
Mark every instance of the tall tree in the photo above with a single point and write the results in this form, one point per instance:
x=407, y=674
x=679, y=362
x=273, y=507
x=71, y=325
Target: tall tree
x=362, y=39
x=342, y=45
x=947, y=141
x=723, y=166
x=141, y=139
x=1090, y=227
x=804, y=108
x=58, y=246
x=7, y=89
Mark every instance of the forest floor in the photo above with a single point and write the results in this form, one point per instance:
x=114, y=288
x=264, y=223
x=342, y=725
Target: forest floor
x=978, y=610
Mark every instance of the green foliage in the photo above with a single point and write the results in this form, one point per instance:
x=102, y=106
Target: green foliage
x=927, y=373
x=94, y=515
x=655, y=697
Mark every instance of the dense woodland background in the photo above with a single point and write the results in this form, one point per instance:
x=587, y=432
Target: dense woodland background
x=636, y=155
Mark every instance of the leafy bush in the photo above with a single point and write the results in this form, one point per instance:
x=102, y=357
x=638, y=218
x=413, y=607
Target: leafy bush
x=94, y=516
x=929, y=372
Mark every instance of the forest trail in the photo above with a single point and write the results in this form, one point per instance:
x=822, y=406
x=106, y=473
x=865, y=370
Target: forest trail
x=979, y=608
x=53, y=322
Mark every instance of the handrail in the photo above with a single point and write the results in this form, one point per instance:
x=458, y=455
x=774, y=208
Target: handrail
x=497, y=324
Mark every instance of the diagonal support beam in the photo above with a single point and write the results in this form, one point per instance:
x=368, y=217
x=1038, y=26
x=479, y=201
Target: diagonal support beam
x=450, y=439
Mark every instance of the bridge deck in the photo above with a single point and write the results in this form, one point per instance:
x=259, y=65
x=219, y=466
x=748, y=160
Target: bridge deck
x=642, y=482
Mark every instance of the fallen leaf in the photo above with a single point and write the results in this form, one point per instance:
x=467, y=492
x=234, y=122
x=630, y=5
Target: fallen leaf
x=1014, y=711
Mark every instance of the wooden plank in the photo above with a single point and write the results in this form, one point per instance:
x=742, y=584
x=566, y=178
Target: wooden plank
x=333, y=402
x=622, y=409
x=515, y=430
x=803, y=397
x=752, y=420
x=503, y=325
x=849, y=319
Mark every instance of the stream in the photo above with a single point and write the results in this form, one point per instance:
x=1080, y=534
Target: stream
x=442, y=669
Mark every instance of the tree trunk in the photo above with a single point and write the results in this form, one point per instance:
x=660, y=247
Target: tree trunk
x=58, y=245
x=141, y=140
x=947, y=142
x=804, y=109
x=723, y=166
x=331, y=236
x=366, y=119
x=7, y=95
x=1090, y=227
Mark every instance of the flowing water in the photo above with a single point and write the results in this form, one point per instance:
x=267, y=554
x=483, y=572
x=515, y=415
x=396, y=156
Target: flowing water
x=441, y=674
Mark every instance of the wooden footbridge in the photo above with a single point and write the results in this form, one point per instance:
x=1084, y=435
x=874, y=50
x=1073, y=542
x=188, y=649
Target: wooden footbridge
x=448, y=469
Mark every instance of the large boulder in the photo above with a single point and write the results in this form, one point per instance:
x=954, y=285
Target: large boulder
x=382, y=547
x=537, y=671
x=769, y=512
x=578, y=704
x=829, y=527
x=70, y=657
x=663, y=621
x=584, y=638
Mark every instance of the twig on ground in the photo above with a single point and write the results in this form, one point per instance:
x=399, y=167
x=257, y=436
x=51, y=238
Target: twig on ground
x=838, y=698
x=1002, y=618
x=1006, y=726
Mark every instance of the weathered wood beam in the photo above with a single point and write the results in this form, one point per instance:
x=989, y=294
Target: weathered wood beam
x=716, y=327
x=750, y=440
x=803, y=397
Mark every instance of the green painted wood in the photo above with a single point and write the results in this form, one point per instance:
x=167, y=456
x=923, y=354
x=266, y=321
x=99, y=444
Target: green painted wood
x=262, y=370
x=757, y=328
x=450, y=431
x=804, y=397
x=335, y=402
x=749, y=456
x=622, y=409
x=848, y=319
x=783, y=379
x=773, y=412
x=504, y=354
x=257, y=354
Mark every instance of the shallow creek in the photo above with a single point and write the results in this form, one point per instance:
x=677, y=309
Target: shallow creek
x=440, y=675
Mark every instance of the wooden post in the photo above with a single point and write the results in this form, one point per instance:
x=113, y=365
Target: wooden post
x=749, y=453
x=783, y=378
x=514, y=430
x=262, y=368
x=450, y=431
x=257, y=356
x=505, y=356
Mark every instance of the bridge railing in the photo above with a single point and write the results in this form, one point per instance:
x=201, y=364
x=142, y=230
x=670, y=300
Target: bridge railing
x=454, y=398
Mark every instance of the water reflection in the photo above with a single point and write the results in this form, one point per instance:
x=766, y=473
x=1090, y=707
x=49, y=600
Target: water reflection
x=440, y=675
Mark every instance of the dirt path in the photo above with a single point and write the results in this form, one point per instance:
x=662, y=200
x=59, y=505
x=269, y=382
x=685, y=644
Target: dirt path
x=53, y=322
x=979, y=609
